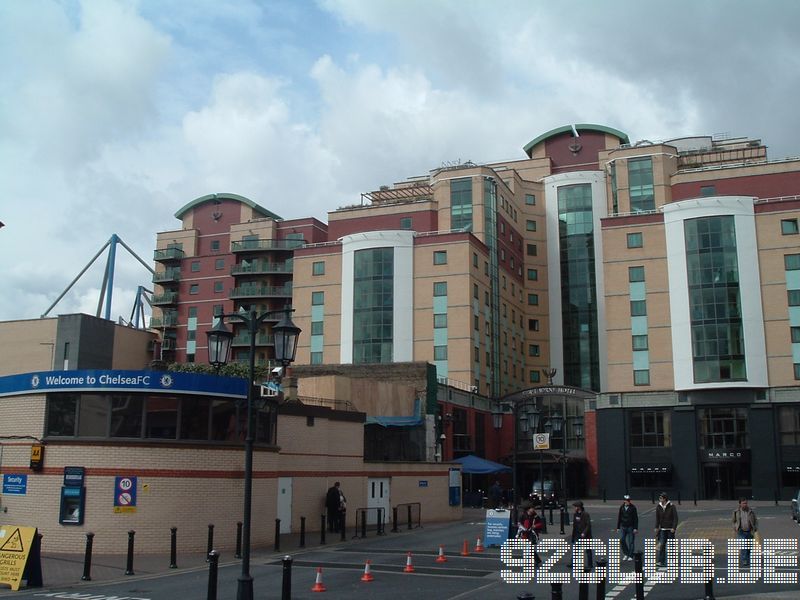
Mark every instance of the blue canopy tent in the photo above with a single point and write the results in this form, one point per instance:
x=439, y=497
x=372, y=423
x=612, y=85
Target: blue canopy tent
x=480, y=466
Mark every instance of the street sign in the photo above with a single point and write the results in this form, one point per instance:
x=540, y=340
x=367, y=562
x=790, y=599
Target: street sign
x=541, y=441
x=124, y=494
x=15, y=484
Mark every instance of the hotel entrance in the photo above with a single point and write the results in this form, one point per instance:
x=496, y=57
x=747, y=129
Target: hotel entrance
x=724, y=453
x=726, y=480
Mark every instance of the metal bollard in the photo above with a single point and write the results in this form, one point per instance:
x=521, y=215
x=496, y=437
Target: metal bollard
x=322, y=530
x=173, y=547
x=343, y=526
x=709, y=590
x=776, y=497
x=695, y=497
x=555, y=591
x=238, y=553
x=210, y=541
x=87, y=558
x=302, y=532
x=562, y=521
x=638, y=566
x=551, y=515
x=213, y=564
x=277, y=535
x=379, y=522
x=566, y=514
x=363, y=523
x=601, y=585
x=604, y=495
x=679, y=497
x=129, y=567
x=409, y=517
x=394, y=520
x=583, y=591
x=286, y=588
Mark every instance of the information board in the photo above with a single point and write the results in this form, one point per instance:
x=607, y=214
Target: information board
x=125, y=494
x=497, y=523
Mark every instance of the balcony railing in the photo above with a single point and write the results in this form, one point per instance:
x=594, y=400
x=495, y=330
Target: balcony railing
x=262, y=339
x=168, y=254
x=260, y=267
x=255, y=245
x=168, y=320
x=263, y=291
x=165, y=299
x=170, y=275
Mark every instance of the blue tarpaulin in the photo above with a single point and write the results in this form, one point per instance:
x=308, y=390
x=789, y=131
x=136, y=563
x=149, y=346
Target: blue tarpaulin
x=480, y=466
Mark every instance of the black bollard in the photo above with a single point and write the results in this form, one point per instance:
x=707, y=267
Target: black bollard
x=286, y=588
x=562, y=521
x=409, y=517
x=695, y=497
x=652, y=497
x=394, y=520
x=322, y=530
x=679, y=497
x=583, y=591
x=709, y=590
x=379, y=521
x=555, y=592
x=638, y=567
x=363, y=523
x=277, y=535
x=238, y=553
x=566, y=514
x=209, y=542
x=551, y=515
x=302, y=532
x=776, y=497
x=173, y=547
x=129, y=567
x=601, y=585
x=213, y=563
x=343, y=526
x=87, y=558
x=604, y=495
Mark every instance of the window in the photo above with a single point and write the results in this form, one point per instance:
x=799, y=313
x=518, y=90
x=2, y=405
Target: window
x=533, y=349
x=796, y=371
x=486, y=298
x=503, y=281
x=640, y=184
x=218, y=309
x=461, y=203
x=475, y=293
x=318, y=268
x=317, y=298
x=789, y=424
x=530, y=225
x=639, y=342
x=405, y=223
x=533, y=275
x=533, y=324
x=195, y=266
x=194, y=288
x=534, y=376
x=723, y=428
x=316, y=327
x=635, y=274
x=485, y=267
x=192, y=312
x=533, y=299
x=440, y=353
x=440, y=288
x=316, y=358
x=795, y=335
x=532, y=250
x=641, y=377
x=635, y=240
x=218, y=287
x=708, y=190
x=440, y=321
x=794, y=297
x=219, y=264
x=215, y=246
x=791, y=262
x=789, y=226
x=474, y=259
x=191, y=335
x=476, y=322
x=638, y=308
x=440, y=257
x=650, y=429
x=502, y=254
x=373, y=305
x=530, y=199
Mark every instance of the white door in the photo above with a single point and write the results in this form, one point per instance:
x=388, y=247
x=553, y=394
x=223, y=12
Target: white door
x=378, y=497
x=285, y=503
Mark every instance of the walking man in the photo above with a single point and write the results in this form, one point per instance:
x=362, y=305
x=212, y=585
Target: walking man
x=666, y=524
x=628, y=527
x=582, y=530
x=745, y=524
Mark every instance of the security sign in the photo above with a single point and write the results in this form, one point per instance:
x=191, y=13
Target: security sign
x=125, y=494
x=541, y=441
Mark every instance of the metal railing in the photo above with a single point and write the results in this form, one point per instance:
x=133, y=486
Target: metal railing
x=410, y=512
x=251, y=245
x=262, y=339
x=259, y=267
x=168, y=254
x=168, y=275
x=261, y=291
x=168, y=298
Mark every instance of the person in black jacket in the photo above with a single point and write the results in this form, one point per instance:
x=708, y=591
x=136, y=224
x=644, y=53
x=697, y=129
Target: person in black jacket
x=666, y=524
x=333, y=506
x=582, y=530
x=628, y=527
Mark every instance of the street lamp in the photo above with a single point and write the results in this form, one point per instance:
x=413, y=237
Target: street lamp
x=219, y=346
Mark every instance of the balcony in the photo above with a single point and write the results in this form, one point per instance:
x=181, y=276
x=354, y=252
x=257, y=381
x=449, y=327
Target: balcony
x=262, y=339
x=168, y=276
x=169, y=319
x=258, y=245
x=263, y=267
x=166, y=299
x=168, y=255
x=264, y=291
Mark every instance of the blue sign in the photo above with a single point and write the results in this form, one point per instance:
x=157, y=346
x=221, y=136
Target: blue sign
x=119, y=381
x=14, y=484
x=124, y=491
x=423, y=483
x=73, y=476
x=497, y=527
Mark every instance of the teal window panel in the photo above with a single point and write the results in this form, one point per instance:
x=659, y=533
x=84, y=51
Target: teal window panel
x=793, y=280
x=191, y=323
x=191, y=346
x=638, y=325
x=316, y=343
x=439, y=304
x=318, y=313
x=638, y=290
x=796, y=353
x=794, y=316
x=440, y=337
x=441, y=368
x=641, y=360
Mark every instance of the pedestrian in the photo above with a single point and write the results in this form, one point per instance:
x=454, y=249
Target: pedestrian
x=332, y=507
x=745, y=525
x=666, y=524
x=627, y=527
x=496, y=494
x=582, y=530
x=529, y=527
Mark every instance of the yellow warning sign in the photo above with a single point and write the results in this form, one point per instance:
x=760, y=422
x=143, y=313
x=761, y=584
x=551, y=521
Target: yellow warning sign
x=15, y=544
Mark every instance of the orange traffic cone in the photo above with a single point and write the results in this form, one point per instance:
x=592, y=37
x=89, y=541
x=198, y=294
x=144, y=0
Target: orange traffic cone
x=441, y=557
x=478, y=546
x=465, y=549
x=367, y=576
x=409, y=567
x=318, y=585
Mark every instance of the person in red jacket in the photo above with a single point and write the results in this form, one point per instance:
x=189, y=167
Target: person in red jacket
x=529, y=527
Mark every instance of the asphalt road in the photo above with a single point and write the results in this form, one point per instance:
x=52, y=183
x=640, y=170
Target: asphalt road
x=476, y=576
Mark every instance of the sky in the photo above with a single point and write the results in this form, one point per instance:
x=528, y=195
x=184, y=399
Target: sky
x=116, y=113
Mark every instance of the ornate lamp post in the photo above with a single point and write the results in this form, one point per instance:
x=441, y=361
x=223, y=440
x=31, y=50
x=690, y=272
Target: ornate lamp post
x=219, y=345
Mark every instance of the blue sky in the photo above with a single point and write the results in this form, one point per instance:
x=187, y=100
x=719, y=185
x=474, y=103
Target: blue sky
x=115, y=113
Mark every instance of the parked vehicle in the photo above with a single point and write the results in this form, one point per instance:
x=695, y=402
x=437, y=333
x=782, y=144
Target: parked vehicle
x=550, y=493
x=796, y=507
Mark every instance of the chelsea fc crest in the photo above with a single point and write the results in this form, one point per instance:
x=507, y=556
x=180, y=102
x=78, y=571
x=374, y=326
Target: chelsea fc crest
x=166, y=381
